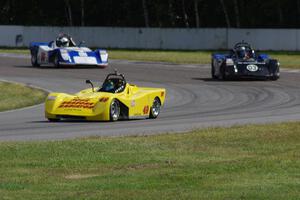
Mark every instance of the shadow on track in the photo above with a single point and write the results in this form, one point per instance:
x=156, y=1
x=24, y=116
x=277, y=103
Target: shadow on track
x=61, y=67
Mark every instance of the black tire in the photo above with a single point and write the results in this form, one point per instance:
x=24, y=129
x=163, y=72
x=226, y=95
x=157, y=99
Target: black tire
x=34, y=62
x=155, y=108
x=274, y=78
x=56, y=61
x=213, y=76
x=274, y=67
x=114, y=110
x=53, y=120
x=222, y=75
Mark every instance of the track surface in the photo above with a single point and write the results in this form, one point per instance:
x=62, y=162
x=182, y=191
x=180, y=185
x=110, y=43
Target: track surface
x=193, y=99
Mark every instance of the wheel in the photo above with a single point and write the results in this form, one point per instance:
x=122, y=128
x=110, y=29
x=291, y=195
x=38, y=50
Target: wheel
x=213, y=76
x=34, y=62
x=56, y=61
x=53, y=120
x=274, y=78
x=222, y=75
x=114, y=110
x=155, y=108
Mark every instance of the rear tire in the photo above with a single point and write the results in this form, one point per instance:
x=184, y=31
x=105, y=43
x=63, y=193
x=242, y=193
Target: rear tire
x=155, y=108
x=115, y=110
x=274, y=67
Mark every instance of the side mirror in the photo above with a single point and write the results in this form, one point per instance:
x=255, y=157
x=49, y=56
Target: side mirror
x=90, y=82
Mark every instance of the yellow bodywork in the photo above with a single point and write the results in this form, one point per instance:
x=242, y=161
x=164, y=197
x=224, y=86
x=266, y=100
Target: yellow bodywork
x=135, y=102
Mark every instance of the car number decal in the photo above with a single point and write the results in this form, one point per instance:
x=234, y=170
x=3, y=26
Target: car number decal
x=252, y=68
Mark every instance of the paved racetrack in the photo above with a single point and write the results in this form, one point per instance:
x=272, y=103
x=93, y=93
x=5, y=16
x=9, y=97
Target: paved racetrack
x=193, y=99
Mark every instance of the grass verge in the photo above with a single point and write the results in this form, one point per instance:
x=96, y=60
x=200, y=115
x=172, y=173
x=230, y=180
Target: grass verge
x=287, y=59
x=245, y=162
x=17, y=96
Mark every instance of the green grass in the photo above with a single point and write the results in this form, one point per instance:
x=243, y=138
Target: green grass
x=287, y=59
x=17, y=96
x=245, y=162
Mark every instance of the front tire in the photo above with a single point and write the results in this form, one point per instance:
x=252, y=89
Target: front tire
x=213, y=76
x=53, y=120
x=56, y=61
x=222, y=75
x=114, y=110
x=34, y=62
x=155, y=108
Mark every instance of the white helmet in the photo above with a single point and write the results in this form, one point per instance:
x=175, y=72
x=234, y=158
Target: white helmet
x=62, y=42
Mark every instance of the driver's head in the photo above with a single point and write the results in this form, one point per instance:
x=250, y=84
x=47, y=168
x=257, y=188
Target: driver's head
x=62, y=41
x=244, y=53
x=241, y=52
x=108, y=85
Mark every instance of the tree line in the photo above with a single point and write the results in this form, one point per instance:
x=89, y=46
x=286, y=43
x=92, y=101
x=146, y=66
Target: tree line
x=153, y=13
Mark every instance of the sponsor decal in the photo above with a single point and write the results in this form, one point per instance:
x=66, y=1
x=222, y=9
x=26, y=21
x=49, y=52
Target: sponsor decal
x=77, y=103
x=43, y=57
x=146, y=110
x=252, y=68
x=103, y=99
x=132, y=103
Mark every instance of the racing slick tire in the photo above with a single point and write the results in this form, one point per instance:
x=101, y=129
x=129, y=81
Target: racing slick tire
x=56, y=61
x=114, y=111
x=155, y=108
x=213, y=76
x=274, y=65
x=222, y=75
x=53, y=120
x=34, y=62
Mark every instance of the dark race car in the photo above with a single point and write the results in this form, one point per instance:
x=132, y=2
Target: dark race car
x=242, y=62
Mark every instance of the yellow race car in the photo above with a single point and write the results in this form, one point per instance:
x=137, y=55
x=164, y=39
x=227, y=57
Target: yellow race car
x=115, y=99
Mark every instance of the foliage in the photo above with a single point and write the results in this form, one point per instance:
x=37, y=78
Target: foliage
x=155, y=13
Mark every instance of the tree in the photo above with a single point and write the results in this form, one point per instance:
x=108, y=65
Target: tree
x=82, y=12
x=69, y=12
x=237, y=13
x=196, y=13
x=145, y=10
x=185, y=16
x=171, y=12
x=225, y=13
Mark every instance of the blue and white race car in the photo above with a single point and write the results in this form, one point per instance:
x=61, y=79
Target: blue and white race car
x=63, y=51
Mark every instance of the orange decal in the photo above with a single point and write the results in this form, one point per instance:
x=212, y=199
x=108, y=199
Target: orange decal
x=103, y=99
x=77, y=103
x=146, y=110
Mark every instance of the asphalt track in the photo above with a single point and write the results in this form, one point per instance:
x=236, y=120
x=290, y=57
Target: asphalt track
x=193, y=99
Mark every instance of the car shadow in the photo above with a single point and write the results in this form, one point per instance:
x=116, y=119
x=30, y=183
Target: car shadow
x=61, y=67
x=230, y=80
x=81, y=121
